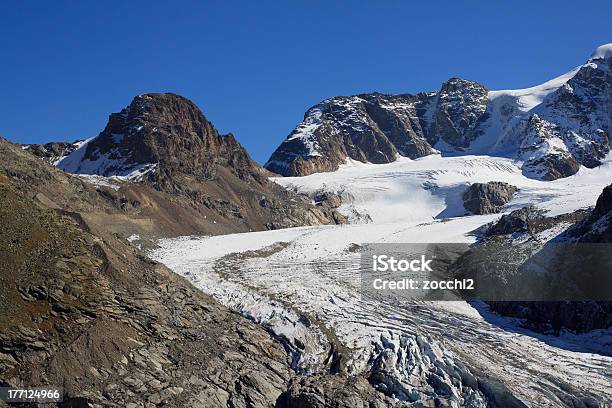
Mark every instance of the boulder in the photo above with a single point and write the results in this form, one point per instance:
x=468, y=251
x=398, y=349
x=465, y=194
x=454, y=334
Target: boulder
x=333, y=200
x=487, y=198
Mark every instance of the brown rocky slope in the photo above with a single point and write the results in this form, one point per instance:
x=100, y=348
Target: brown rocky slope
x=179, y=176
x=85, y=310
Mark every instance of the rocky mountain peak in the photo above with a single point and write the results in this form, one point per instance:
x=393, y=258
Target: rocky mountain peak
x=552, y=128
x=52, y=152
x=460, y=104
x=154, y=130
x=366, y=127
x=459, y=84
x=156, y=109
x=161, y=158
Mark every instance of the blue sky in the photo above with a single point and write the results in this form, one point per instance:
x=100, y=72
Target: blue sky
x=255, y=67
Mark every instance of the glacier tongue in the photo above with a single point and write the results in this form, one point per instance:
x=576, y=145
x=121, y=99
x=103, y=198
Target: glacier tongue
x=303, y=285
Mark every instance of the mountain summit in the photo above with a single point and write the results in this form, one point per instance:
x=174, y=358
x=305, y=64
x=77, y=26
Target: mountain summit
x=160, y=158
x=159, y=129
x=551, y=129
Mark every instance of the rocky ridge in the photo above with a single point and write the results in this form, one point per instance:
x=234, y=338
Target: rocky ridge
x=165, y=164
x=84, y=309
x=524, y=235
x=53, y=152
x=553, y=128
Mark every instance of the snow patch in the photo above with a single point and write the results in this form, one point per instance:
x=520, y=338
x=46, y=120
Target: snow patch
x=305, y=132
x=110, y=164
x=100, y=181
x=529, y=98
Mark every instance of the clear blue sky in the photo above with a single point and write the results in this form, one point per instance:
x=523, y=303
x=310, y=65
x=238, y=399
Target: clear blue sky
x=254, y=67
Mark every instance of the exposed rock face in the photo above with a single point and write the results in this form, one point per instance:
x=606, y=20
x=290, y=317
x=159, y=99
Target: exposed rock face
x=552, y=128
x=84, y=310
x=584, y=105
x=597, y=227
x=329, y=198
x=369, y=128
x=604, y=202
x=546, y=157
x=169, y=163
x=333, y=392
x=460, y=105
x=523, y=220
x=53, y=152
x=593, y=226
x=487, y=198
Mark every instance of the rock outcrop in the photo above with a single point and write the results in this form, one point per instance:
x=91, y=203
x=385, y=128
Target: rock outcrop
x=487, y=198
x=162, y=161
x=545, y=156
x=528, y=219
x=553, y=128
x=53, y=152
x=597, y=227
x=84, y=310
x=525, y=236
x=333, y=391
x=328, y=198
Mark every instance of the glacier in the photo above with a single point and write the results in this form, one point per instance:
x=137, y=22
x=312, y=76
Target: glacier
x=302, y=284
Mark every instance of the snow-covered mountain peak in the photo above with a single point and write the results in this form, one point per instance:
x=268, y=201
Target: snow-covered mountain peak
x=603, y=52
x=572, y=127
x=528, y=98
x=533, y=96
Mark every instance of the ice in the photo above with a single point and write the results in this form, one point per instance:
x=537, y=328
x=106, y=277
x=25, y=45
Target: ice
x=603, y=51
x=303, y=283
x=426, y=188
x=529, y=98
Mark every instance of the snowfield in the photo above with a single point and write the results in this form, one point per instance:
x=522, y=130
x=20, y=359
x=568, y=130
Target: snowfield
x=303, y=285
x=95, y=171
x=431, y=187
